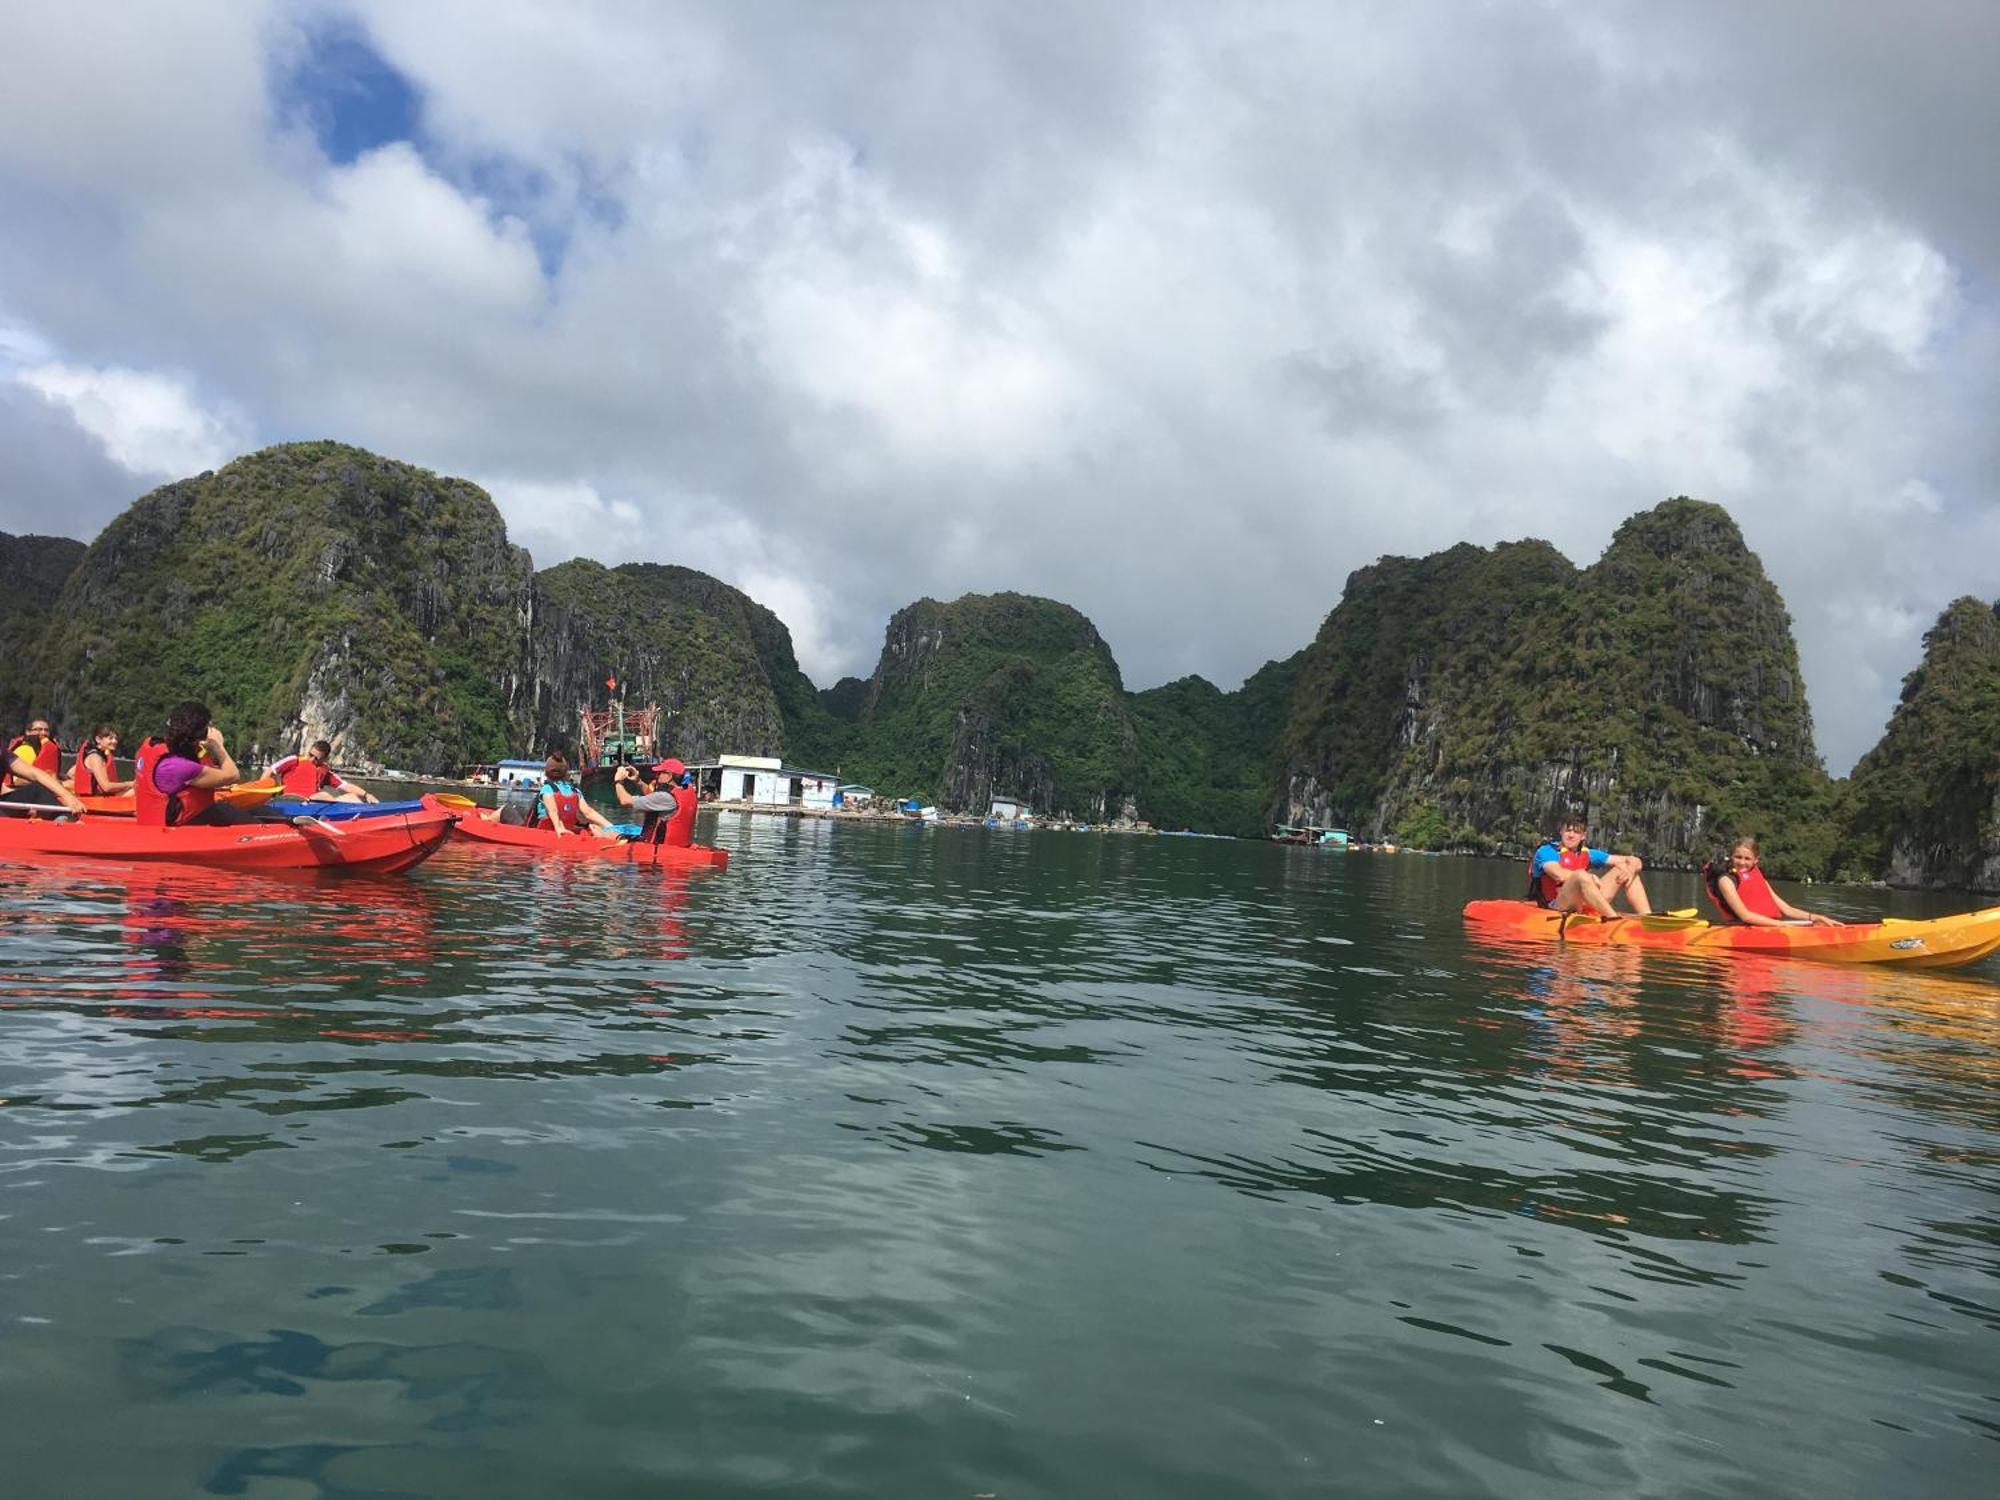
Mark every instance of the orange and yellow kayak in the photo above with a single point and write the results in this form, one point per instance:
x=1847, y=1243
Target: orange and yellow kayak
x=1940, y=943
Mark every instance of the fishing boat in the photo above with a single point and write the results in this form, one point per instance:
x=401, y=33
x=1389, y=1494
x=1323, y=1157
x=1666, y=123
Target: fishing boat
x=1937, y=943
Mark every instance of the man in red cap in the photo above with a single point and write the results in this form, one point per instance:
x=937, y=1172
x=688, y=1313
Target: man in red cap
x=667, y=801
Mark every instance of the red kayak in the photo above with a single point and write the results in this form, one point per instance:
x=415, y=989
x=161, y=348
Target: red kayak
x=378, y=846
x=583, y=845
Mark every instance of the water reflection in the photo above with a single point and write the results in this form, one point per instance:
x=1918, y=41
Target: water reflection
x=911, y=1161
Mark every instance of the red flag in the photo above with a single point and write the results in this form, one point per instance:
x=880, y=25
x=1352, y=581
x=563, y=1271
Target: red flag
x=611, y=684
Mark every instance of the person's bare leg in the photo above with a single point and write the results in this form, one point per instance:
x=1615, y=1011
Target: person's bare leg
x=1580, y=889
x=1627, y=880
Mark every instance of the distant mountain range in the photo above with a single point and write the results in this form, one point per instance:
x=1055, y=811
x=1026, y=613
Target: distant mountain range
x=1461, y=700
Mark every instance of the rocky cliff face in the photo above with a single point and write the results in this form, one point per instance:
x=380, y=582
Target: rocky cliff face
x=1475, y=696
x=317, y=591
x=310, y=590
x=33, y=570
x=999, y=694
x=1927, y=798
x=719, y=665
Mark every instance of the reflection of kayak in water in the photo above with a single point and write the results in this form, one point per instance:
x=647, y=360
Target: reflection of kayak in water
x=583, y=845
x=377, y=845
x=1941, y=943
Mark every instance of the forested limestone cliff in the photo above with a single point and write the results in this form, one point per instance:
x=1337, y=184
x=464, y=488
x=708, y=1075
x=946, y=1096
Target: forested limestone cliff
x=1466, y=699
x=1473, y=697
x=315, y=590
x=992, y=694
x=33, y=570
x=1926, y=800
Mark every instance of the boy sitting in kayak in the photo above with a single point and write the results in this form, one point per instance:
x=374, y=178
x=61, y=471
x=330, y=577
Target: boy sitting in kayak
x=1742, y=894
x=1568, y=875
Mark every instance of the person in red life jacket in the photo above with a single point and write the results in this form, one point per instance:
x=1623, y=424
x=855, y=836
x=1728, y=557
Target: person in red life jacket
x=1742, y=894
x=23, y=779
x=668, y=803
x=560, y=804
x=176, y=777
x=309, y=778
x=1569, y=875
x=94, y=774
x=36, y=748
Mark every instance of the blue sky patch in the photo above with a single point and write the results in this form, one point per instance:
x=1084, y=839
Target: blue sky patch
x=350, y=96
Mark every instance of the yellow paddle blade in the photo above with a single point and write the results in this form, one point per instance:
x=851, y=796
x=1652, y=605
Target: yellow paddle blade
x=250, y=793
x=452, y=799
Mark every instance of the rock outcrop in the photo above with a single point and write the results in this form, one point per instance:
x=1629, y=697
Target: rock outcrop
x=1926, y=800
x=33, y=570
x=719, y=665
x=993, y=694
x=310, y=590
x=1471, y=698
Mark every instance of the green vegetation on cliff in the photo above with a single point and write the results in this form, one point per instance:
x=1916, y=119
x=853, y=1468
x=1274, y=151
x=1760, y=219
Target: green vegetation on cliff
x=307, y=589
x=719, y=665
x=1471, y=697
x=992, y=694
x=1926, y=800
x=1207, y=756
x=33, y=570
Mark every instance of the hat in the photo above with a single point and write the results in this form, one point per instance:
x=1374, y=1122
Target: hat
x=671, y=766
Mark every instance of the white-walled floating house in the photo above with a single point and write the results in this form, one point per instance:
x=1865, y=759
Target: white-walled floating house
x=766, y=781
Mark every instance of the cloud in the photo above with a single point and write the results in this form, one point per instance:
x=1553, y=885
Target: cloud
x=1178, y=314
x=149, y=424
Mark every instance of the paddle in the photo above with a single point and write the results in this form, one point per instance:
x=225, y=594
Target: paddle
x=250, y=793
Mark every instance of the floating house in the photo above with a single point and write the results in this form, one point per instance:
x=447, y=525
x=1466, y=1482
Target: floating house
x=768, y=782
x=1009, y=807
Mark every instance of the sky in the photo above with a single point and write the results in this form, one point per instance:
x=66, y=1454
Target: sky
x=1177, y=313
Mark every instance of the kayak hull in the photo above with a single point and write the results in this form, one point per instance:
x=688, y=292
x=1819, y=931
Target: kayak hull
x=376, y=846
x=584, y=846
x=1941, y=943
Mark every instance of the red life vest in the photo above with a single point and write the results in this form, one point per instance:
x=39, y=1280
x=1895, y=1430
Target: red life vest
x=566, y=806
x=680, y=827
x=1568, y=859
x=82, y=780
x=1752, y=889
x=48, y=755
x=153, y=808
x=306, y=777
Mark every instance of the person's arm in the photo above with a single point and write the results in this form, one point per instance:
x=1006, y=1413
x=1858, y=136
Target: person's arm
x=223, y=772
x=621, y=785
x=28, y=771
x=102, y=774
x=1800, y=914
x=591, y=815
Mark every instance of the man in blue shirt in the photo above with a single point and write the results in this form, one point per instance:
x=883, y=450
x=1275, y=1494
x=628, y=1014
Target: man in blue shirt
x=1569, y=875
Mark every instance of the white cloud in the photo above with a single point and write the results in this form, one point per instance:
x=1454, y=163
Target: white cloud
x=1178, y=315
x=151, y=424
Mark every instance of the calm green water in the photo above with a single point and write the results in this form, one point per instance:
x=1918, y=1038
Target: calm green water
x=955, y=1163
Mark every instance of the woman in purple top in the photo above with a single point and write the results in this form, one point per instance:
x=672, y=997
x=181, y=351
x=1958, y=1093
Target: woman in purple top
x=179, y=773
